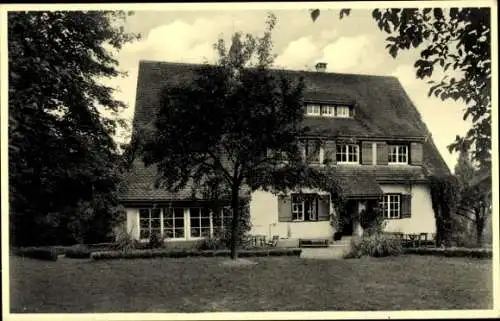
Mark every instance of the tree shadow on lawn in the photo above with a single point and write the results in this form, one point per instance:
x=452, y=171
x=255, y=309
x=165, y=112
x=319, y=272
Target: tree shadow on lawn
x=408, y=282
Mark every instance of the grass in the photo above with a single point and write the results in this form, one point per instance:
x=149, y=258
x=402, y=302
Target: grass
x=273, y=284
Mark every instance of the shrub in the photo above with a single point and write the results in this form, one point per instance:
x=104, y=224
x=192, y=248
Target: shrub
x=452, y=252
x=376, y=245
x=158, y=253
x=212, y=243
x=155, y=241
x=49, y=254
x=79, y=251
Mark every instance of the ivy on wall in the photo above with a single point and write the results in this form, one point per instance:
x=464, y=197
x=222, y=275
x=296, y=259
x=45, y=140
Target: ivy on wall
x=444, y=191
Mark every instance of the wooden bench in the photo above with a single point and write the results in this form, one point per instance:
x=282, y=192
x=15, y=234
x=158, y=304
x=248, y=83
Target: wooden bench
x=313, y=242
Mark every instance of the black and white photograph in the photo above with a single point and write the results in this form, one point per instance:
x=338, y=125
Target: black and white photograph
x=249, y=160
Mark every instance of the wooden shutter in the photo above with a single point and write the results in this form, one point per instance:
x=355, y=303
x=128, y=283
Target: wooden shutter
x=284, y=208
x=366, y=153
x=302, y=150
x=406, y=206
x=330, y=150
x=323, y=207
x=416, y=154
x=382, y=154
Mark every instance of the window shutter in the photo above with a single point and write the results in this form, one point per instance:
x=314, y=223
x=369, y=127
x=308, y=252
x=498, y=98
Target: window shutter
x=323, y=207
x=382, y=154
x=416, y=154
x=366, y=153
x=406, y=206
x=330, y=151
x=284, y=208
x=351, y=111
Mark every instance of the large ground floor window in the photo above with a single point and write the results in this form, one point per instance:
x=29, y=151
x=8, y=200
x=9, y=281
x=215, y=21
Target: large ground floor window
x=182, y=222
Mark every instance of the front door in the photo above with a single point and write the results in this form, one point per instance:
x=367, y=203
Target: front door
x=346, y=219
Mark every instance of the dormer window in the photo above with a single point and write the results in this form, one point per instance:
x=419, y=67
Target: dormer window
x=313, y=110
x=329, y=110
x=398, y=154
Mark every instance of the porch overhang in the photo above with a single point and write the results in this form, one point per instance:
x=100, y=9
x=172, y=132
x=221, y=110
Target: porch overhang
x=360, y=186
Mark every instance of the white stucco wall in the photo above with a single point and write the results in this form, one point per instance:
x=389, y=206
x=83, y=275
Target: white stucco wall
x=422, y=215
x=264, y=219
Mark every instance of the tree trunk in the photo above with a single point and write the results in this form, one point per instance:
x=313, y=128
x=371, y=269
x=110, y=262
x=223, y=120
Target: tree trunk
x=479, y=229
x=235, y=205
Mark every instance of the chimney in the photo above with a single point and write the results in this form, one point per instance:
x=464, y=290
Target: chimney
x=321, y=67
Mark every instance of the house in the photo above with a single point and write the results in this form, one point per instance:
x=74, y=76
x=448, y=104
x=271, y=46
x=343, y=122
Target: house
x=366, y=126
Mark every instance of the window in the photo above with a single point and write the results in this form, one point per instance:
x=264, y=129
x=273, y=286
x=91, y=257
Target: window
x=391, y=206
x=305, y=207
x=173, y=222
x=150, y=222
x=328, y=111
x=222, y=220
x=398, y=154
x=200, y=222
x=342, y=111
x=312, y=150
x=348, y=153
x=313, y=110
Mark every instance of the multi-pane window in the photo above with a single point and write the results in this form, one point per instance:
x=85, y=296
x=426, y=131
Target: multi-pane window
x=222, y=220
x=313, y=110
x=391, y=206
x=398, y=154
x=342, y=111
x=173, y=222
x=200, y=222
x=305, y=207
x=312, y=150
x=348, y=153
x=149, y=221
x=329, y=110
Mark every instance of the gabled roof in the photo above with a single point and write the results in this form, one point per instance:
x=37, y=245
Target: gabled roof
x=383, y=110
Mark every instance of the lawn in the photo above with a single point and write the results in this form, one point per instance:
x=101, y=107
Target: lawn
x=274, y=284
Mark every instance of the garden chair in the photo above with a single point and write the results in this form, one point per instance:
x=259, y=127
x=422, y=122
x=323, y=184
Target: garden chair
x=273, y=242
x=422, y=238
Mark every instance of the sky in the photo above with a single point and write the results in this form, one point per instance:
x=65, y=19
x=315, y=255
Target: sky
x=351, y=45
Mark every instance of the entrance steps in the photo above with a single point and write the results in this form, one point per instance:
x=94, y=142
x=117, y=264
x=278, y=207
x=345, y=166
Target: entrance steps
x=334, y=250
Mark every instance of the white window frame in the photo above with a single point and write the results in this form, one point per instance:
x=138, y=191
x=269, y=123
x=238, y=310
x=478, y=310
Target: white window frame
x=173, y=219
x=391, y=206
x=345, y=151
x=342, y=111
x=313, y=110
x=150, y=221
x=298, y=215
x=328, y=111
x=210, y=223
x=394, y=151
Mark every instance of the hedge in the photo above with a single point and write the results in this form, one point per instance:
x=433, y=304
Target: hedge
x=163, y=253
x=452, y=252
x=78, y=252
x=48, y=254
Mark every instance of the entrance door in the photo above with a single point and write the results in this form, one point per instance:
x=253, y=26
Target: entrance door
x=346, y=218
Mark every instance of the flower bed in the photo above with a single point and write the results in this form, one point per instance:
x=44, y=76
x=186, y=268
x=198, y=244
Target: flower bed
x=165, y=253
x=452, y=252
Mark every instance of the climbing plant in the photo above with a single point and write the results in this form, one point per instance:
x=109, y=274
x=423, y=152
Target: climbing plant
x=444, y=197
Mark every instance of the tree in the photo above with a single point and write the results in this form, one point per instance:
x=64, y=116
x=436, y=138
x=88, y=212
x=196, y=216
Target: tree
x=474, y=202
x=62, y=157
x=456, y=41
x=218, y=130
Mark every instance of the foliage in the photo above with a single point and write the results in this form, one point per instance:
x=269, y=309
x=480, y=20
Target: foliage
x=452, y=252
x=372, y=219
x=456, y=41
x=155, y=241
x=474, y=201
x=48, y=254
x=214, y=133
x=79, y=251
x=376, y=245
x=62, y=158
x=444, y=198
x=125, y=242
x=166, y=253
